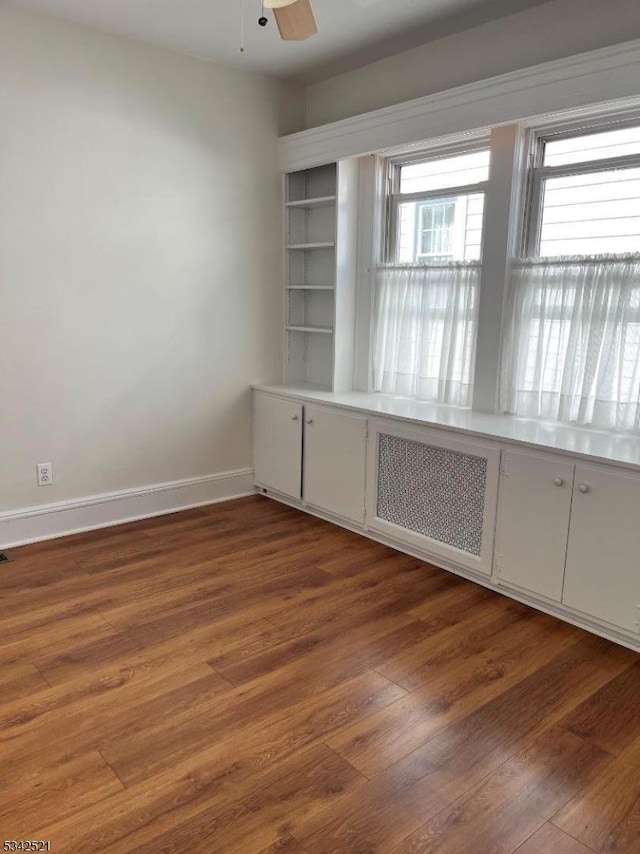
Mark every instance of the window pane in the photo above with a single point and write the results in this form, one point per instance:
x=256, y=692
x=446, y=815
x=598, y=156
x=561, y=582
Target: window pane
x=458, y=171
x=591, y=214
x=436, y=228
x=593, y=146
x=440, y=230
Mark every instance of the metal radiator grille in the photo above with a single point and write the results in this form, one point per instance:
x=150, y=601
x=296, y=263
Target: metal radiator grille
x=433, y=491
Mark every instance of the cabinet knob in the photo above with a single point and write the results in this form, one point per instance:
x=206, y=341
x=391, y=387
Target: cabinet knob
x=294, y=417
x=309, y=420
x=558, y=481
x=584, y=488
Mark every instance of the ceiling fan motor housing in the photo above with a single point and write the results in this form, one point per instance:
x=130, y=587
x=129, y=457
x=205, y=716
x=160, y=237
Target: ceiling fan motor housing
x=295, y=18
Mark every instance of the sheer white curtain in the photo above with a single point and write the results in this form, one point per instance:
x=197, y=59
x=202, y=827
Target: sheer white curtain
x=572, y=351
x=426, y=318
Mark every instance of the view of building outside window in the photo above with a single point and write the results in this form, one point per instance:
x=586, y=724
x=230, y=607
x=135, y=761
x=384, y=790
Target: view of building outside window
x=591, y=212
x=442, y=228
x=582, y=211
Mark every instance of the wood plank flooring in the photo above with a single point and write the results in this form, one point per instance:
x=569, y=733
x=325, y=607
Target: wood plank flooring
x=247, y=678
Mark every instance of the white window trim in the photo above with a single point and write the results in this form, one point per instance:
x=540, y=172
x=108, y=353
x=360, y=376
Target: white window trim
x=503, y=215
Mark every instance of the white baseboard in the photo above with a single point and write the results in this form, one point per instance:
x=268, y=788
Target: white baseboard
x=50, y=521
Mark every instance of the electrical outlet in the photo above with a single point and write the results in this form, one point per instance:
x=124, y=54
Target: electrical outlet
x=45, y=474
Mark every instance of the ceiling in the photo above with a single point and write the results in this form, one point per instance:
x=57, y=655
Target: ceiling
x=352, y=32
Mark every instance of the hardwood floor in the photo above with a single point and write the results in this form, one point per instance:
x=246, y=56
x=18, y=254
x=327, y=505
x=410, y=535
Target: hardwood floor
x=247, y=678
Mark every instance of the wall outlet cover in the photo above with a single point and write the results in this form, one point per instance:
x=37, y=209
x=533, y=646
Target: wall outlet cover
x=45, y=474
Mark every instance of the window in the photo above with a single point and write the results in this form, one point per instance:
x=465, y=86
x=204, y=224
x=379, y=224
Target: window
x=427, y=296
x=573, y=344
x=586, y=194
x=567, y=298
x=437, y=209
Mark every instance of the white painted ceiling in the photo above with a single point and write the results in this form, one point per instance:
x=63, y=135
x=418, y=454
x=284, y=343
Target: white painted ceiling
x=352, y=32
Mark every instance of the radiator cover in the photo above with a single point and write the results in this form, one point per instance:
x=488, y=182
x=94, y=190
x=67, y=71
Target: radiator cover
x=433, y=491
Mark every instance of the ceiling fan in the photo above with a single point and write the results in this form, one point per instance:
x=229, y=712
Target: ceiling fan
x=295, y=18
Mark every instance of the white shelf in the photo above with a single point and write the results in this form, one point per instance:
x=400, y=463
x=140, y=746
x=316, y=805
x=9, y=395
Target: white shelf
x=306, y=246
x=323, y=330
x=310, y=287
x=307, y=204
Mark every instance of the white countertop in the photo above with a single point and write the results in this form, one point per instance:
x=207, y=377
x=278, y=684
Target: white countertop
x=593, y=445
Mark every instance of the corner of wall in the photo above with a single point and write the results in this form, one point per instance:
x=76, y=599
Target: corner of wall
x=292, y=115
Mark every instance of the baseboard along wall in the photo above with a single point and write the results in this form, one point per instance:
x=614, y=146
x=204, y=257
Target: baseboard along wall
x=50, y=521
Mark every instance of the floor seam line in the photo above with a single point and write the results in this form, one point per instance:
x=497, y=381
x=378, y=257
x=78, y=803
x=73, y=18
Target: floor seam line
x=532, y=834
x=393, y=682
x=350, y=764
x=215, y=670
x=110, y=624
x=571, y=836
x=42, y=674
x=586, y=741
x=111, y=768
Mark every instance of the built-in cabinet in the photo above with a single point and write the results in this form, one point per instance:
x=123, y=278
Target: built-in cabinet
x=545, y=527
x=277, y=444
x=569, y=532
x=311, y=453
x=334, y=462
x=602, y=576
x=533, y=522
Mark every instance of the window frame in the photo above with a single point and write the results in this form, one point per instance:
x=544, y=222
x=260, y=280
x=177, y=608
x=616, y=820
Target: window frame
x=538, y=174
x=395, y=198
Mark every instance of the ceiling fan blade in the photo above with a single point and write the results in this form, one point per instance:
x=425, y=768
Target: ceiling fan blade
x=296, y=21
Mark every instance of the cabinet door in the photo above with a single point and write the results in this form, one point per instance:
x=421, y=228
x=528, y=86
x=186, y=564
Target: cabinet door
x=533, y=522
x=277, y=444
x=335, y=462
x=602, y=577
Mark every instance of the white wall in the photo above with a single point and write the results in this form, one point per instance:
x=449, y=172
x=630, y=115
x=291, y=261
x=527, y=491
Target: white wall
x=140, y=260
x=552, y=31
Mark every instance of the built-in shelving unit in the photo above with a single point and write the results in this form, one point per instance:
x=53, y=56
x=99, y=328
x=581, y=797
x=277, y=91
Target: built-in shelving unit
x=320, y=225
